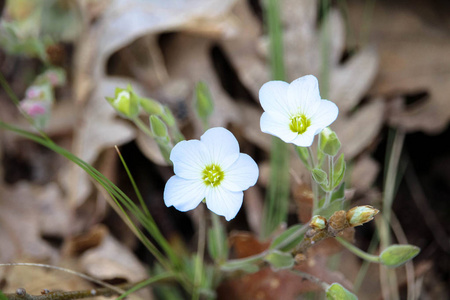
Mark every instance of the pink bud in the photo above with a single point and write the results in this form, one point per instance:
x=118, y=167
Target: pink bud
x=33, y=108
x=33, y=92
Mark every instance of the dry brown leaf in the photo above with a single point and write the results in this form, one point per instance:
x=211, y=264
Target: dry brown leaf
x=27, y=213
x=413, y=58
x=110, y=259
x=357, y=131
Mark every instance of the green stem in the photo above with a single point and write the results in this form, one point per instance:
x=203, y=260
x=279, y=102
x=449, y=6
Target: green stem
x=358, y=252
x=275, y=209
x=200, y=254
x=145, y=283
x=314, y=185
x=142, y=126
x=329, y=192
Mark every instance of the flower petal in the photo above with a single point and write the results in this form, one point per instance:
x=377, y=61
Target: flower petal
x=273, y=97
x=304, y=96
x=223, y=148
x=325, y=115
x=304, y=140
x=189, y=159
x=277, y=125
x=224, y=202
x=241, y=175
x=183, y=194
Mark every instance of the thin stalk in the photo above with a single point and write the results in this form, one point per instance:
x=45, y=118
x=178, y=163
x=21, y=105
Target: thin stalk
x=275, y=210
x=358, y=252
x=329, y=193
x=314, y=185
x=387, y=276
x=142, y=126
x=312, y=278
x=81, y=275
x=145, y=283
x=365, y=265
x=136, y=190
x=325, y=49
x=200, y=254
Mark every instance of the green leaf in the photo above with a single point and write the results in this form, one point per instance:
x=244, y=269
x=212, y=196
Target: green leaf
x=338, y=292
x=320, y=176
x=217, y=240
x=279, y=260
x=339, y=171
x=290, y=237
x=338, y=194
x=2, y=296
x=397, y=255
x=303, y=154
x=245, y=265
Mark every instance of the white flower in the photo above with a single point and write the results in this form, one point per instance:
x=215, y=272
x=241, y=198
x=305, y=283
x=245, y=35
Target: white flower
x=212, y=169
x=295, y=112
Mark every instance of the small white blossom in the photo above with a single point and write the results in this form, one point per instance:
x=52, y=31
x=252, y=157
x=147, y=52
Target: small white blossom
x=212, y=169
x=295, y=112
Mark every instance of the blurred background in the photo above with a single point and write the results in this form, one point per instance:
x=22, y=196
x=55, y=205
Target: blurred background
x=386, y=64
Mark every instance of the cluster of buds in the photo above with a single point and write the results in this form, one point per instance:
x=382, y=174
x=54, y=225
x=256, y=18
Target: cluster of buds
x=162, y=123
x=320, y=228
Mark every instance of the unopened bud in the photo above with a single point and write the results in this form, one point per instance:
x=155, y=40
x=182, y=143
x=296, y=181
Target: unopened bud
x=329, y=142
x=318, y=223
x=151, y=106
x=159, y=129
x=203, y=101
x=125, y=102
x=168, y=117
x=55, y=76
x=361, y=214
x=337, y=222
x=33, y=107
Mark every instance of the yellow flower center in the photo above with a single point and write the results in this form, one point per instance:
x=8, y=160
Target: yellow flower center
x=299, y=123
x=212, y=175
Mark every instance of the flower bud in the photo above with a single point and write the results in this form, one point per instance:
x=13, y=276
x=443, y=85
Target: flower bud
x=329, y=142
x=159, y=129
x=337, y=222
x=361, y=214
x=151, y=106
x=337, y=292
x=55, y=76
x=37, y=110
x=397, y=255
x=125, y=102
x=203, y=101
x=318, y=223
x=168, y=117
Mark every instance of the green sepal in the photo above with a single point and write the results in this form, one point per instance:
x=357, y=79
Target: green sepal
x=151, y=106
x=279, y=260
x=339, y=171
x=397, y=255
x=320, y=176
x=329, y=142
x=287, y=235
x=337, y=292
